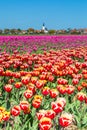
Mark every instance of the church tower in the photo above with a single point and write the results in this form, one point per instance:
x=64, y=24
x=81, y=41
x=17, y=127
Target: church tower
x=43, y=27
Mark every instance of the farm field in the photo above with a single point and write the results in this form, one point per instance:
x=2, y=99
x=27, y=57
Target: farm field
x=43, y=82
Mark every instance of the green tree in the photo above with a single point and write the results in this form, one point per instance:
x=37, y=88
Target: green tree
x=13, y=31
x=52, y=31
x=68, y=30
x=1, y=31
x=30, y=31
x=6, y=31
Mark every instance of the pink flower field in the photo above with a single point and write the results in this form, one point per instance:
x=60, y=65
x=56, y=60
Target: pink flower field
x=33, y=43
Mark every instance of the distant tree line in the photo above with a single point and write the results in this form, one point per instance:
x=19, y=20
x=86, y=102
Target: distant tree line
x=32, y=31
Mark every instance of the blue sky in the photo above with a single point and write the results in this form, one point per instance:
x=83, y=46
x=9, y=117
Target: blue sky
x=56, y=14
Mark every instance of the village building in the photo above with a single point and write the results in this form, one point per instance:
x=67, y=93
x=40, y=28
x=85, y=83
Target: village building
x=44, y=29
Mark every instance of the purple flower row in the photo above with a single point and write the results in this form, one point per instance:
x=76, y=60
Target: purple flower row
x=34, y=43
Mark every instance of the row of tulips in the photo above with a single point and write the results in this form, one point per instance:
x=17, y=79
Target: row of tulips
x=32, y=43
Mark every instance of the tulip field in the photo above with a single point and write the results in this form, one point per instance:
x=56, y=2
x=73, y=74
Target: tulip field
x=43, y=82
